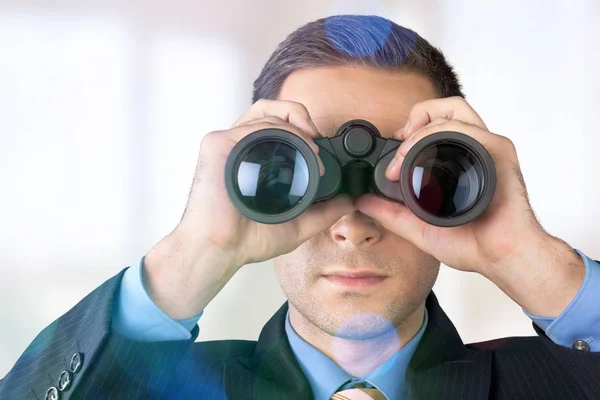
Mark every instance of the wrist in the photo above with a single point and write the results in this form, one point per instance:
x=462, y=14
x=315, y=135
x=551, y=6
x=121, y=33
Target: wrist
x=181, y=278
x=542, y=277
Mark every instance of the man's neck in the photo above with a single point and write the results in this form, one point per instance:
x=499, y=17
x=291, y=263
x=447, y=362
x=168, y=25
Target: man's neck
x=358, y=357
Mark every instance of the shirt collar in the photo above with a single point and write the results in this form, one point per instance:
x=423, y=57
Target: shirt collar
x=325, y=376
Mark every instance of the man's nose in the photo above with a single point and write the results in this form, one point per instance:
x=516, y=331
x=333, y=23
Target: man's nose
x=356, y=230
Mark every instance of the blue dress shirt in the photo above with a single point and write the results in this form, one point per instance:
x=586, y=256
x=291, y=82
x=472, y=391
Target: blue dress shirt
x=326, y=377
x=138, y=318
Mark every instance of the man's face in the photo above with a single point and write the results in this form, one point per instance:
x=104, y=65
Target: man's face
x=334, y=95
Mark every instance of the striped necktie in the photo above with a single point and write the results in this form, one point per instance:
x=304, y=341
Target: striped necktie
x=359, y=393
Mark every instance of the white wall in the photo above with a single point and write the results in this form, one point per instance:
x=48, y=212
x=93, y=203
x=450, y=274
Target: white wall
x=103, y=105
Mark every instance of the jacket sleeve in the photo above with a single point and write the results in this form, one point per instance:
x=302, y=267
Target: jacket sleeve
x=580, y=362
x=582, y=365
x=80, y=358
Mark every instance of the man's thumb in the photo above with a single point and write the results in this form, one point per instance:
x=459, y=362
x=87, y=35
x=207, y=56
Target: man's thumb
x=394, y=217
x=322, y=215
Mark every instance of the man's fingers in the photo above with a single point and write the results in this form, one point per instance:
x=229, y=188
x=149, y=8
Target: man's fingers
x=237, y=134
x=450, y=108
x=269, y=119
x=291, y=112
x=486, y=138
x=431, y=116
x=278, y=123
x=280, y=114
x=482, y=136
x=402, y=135
x=395, y=217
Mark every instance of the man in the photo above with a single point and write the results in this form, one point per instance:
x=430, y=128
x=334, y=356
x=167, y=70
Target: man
x=339, y=336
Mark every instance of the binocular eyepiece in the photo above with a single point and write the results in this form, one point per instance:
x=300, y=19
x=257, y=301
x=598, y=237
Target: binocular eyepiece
x=272, y=175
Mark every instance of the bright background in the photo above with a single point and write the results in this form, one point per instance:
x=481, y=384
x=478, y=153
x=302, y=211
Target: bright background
x=103, y=105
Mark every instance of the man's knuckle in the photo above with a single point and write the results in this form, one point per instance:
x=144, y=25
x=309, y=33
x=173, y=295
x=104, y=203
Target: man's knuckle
x=212, y=136
x=211, y=139
x=261, y=103
x=298, y=107
x=507, y=143
x=416, y=109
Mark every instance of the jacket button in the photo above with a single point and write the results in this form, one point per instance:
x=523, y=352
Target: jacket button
x=76, y=362
x=64, y=381
x=581, y=345
x=52, y=394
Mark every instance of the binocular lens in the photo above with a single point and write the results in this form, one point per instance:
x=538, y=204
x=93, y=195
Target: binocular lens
x=272, y=177
x=446, y=180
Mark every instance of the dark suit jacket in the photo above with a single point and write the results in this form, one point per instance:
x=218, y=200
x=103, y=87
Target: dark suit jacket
x=442, y=367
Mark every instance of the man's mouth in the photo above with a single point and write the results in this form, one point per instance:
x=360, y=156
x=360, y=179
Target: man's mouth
x=355, y=279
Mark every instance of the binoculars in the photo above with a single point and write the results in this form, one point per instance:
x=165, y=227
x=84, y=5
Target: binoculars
x=272, y=175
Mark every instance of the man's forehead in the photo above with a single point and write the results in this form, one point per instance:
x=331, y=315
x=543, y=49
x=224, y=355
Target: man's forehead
x=334, y=95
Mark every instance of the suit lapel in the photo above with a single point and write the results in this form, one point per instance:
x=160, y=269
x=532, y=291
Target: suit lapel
x=442, y=367
x=272, y=372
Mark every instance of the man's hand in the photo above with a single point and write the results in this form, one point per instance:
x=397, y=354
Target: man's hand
x=187, y=268
x=506, y=243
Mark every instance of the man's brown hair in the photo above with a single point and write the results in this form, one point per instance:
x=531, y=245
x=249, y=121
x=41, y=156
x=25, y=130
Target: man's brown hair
x=356, y=40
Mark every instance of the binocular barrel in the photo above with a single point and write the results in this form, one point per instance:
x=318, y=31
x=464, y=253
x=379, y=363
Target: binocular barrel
x=272, y=175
